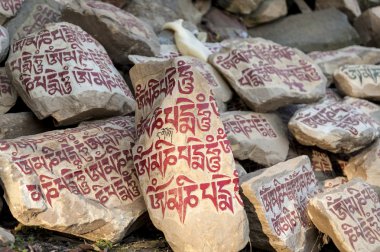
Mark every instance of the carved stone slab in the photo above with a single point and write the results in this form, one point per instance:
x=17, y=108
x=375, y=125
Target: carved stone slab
x=267, y=75
x=361, y=81
x=8, y=94
x=9, y=8
x=79, y=181
x=366, y=165
x=184, y=159
x=370, y=108
x=336, y=127
x=350, y=215
x=329, y=61
x=256, y=136
x=63, y=72
x=332, y=183
x=118, y=31
x=279, y=195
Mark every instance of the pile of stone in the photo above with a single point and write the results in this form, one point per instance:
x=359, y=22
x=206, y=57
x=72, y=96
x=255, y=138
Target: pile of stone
x=228, y=132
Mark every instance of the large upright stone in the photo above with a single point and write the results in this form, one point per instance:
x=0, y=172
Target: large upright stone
x=8, y=95
x=277, y=198
x=63, y=72
x=184, y=160
x=336, y=127
x=32, y=17
x=267, y=75
x=79, y=181
x=349, y=214
x=366, y=165
x=349, y=7
x=8, y=9
x=317, y=32
x=118, y=31
x=330, y=61
x=361, y=81
x=258, y=137
x=267, y=11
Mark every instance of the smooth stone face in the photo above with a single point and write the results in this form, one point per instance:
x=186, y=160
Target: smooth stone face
x=349, y=214
x=8, y=94
x=4, y=43
x=368, y=25
x=366, y=165
x=317, y=32
x=279, y=195
x=267, y=11
x=330, y=61
x=32, y=17
x=13, y=125
x=267, y=75
x=370, y=108
x=88, y=169
x=361, y=81
x=70, y=76
x=118, y=31
x=258, y=137
x=181, y=154
x=8, y=9
x=239, y=6
x=349, y=7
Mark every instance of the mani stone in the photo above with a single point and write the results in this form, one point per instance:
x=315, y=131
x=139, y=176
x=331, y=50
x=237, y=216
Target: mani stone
x=4, y=43
x=255, y=136
x=278, y=196
x=335, y=182
x=349, y=7
x=267, y=11
x=349, y=214
x=268, y=76
x=370, y=108
x=317, y=32
x=366, y=165
x=79, y=181
x=184, y=160
x=360, y=81
x=330, y=61
x=335, y=127
x=239, y=6
x=8, y=9
x=368, y=25
x=13, y=125
x=32, y=17
x=8, y=95
x=65, y=73
x=118, y=31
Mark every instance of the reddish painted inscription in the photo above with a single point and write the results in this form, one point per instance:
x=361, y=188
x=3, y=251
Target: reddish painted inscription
x=249, y=125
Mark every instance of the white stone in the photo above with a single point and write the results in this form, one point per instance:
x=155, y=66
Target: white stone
x=336, y=127
x=349, y=214
x=79, y=181
x=8, y=95
x=69, y=76
x=256, y=136
x=279, y=195
x=332, y=183
x=267, y=75
x=360, y=81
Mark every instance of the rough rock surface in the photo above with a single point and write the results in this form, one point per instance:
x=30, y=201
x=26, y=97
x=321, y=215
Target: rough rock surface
x=317, y=32
x=8, y=94
x=368, y=27
x=366, y=165
x=267, y=11
x=267, y=75
x=8, y=9
x=349, y=214
x=118, y=31
x=336, y=127
x=181, y=154
x=361, y=81
x=256, y=136
x=71, y=77
x=79, y=181
x=279, y=195
x=349, y=7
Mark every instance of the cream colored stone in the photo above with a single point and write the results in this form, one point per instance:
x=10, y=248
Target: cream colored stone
x=186, y=42
x=79, y=181
x=181, y=154
x=255, y=136
x=8, y=95
x=267, y=75
x=349, y=214
x=336, y=127
x=329, y=61
x=71, y=77
x=361, y=81
x=370, y=108
x=279, y=195
x=366, y=165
